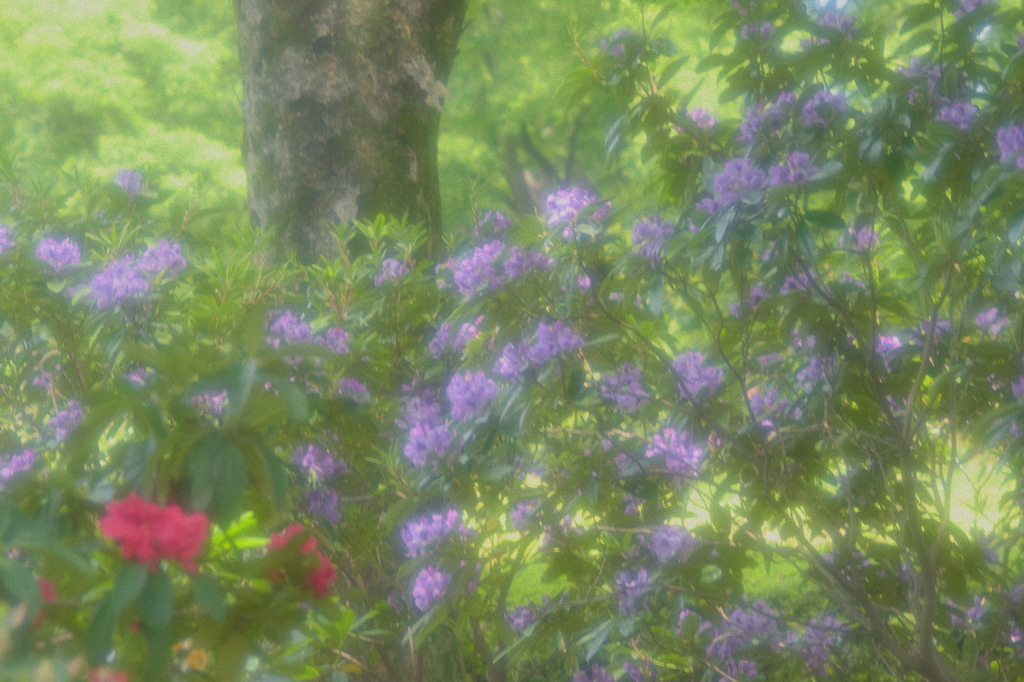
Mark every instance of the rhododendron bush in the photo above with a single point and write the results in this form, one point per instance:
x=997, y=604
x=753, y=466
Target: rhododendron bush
x=768, y=429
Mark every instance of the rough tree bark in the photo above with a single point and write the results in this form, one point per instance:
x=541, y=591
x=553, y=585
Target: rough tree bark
x=342, y=102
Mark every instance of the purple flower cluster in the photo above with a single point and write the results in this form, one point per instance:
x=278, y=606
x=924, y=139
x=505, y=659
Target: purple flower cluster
x=991, y=322
x=512, y=361
x=520, y=516
x=421, y=534
x=564, y=206
x=427, y=431
x=470, y=394
x=670, y=543
x=766, y=404
x=164, y=257
x=354, y=390
x=120, y=281
x=862, y=240
x=552, y=340
x=1017, y=387
x=58, y=255
x=288, y=328
x=624, y=389
x=682, y=455
x=318, y=462
x=210, y=402
x=1010, y=141
x=739, y=181
x=742, y=629
x=65, y=421
x=323, y=503
x=477, y=273
x=139, y=376
x=958, y=114
x=797, y=169
x=702, y=118
x=968, y=6
x=129, y=181
x=631, y=588
x=821, y=635
x=391, y=270
x=443, y=340
x=5, y=238
x=649, y=235
x=762, y=31
x=597, y=674
x=520, y=618
x=696, y=380
x=970, y=619
x=429, y=587
x=801, y=282
x=520, y=262
x=756, y=295
x=493, y=222
x=638, y=675
x=823, y=108
x=15, y=463
x=613, y=44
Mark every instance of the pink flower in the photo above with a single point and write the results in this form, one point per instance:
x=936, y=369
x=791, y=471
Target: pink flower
x=149, y=533
x=320, y=578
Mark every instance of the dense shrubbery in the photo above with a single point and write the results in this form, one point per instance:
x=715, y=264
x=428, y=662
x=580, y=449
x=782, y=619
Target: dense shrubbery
x=568, y=451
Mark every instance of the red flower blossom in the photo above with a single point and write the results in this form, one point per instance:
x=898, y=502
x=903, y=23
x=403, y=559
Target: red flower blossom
x=48, y=593
x=149, y=533
x=320, y=578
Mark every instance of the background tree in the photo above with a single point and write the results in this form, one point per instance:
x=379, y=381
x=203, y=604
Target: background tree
x=342, y=105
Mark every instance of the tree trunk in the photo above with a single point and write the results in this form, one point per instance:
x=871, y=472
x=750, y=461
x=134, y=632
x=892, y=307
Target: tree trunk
x=342, y=102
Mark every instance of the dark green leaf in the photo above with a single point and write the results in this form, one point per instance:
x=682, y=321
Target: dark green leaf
x=208, y=596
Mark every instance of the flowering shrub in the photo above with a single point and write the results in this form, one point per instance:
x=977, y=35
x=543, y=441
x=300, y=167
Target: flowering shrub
x=590, y=445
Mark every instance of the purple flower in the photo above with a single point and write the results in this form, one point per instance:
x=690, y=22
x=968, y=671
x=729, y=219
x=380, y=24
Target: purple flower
x=354, y=390
x=840, y=21
x=886, y=347
x=812, y=373
x=429, y=587
x=991, y=322
x=564, y=206
x=443, y=340
x=494, y=222
x=140, y=376
x=799, y=283
x=211, y=402
x=631, y=588
x=511, y=362
x=5, y=238
x=597, y=674
x=117, y=283
x=702, y=118
x=164, y=257
x=959, y=114
x=670, y=543
x=682, y=456
x=323, y=502
x=695, y=377
x=613, y=44
x=763, y=406
x=796, y=170
x=1011, y=145
x=757, y=294
x=420, y=534
x=58, y=255
x=751, y=125
x=739, y=181
x=520, y=618
x=318, y=462
x=743, y=628
x=1017, y=387
x=820, y=636
x=336, y=339
x=624, y=389
x=15, y=463
x=130, y=181
x=520, y=516
x=649, y=235
x=764, y=31
x=968, y=6
x=391, y=270
x=476, y=273
x=823, y=107
x=289, y=329
x=469, y=395
x=552, y=340
x=65, y=421
x=520, y=262
x=426, y=438
x=862, y=240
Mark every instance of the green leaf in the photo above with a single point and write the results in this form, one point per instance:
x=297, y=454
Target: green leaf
x=208, y=596
x=826, y=220
x=156, y=601
x=127, y=587
x=597, y=638
x=19, y=584
x=217, y=477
